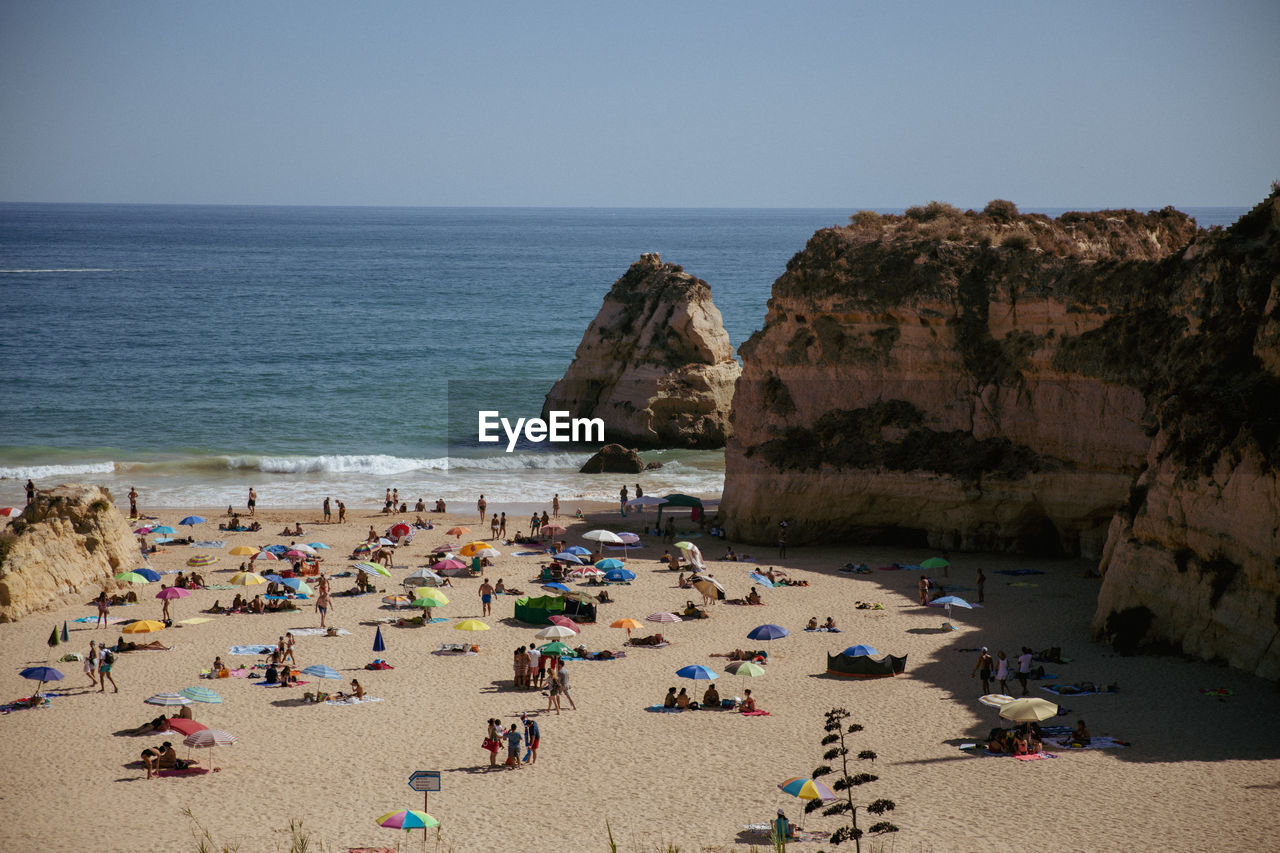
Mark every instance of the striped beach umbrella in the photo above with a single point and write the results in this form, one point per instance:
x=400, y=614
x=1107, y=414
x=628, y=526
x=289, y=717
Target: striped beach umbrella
x=319, y=670
x=373, y=568
x=202, y=560
x=201, y=694
x=406, y=819
x=166, y=699
x=663, y=617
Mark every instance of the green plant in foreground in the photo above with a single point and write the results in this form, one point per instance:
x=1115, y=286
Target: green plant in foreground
x=846, y=782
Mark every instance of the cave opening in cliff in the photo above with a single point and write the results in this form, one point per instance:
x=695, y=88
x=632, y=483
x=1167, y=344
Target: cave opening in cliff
x=1039, y=537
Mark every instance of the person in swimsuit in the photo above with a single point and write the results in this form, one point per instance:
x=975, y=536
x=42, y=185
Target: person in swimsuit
x=983, y=668
x=486, y=598
x=253, y=501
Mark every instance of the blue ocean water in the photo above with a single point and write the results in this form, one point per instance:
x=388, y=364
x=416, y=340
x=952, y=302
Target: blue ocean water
x=195, y=350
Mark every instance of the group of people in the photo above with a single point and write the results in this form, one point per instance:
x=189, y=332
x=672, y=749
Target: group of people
x=98, y=665
x=681, y=700
x=986, y=668
x=513, y=737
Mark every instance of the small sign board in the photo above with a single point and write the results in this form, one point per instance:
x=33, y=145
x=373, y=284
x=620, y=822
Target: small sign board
x=425, y=780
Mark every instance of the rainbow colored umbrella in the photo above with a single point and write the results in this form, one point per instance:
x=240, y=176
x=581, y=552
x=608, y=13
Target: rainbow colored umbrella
x=807, y=789
x=407, y=819
x=202, y=560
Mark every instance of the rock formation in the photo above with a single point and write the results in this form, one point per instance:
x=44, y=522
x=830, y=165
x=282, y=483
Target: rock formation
x=69, y=542
x=994, y=381
x=613, y=459
x=655, y=364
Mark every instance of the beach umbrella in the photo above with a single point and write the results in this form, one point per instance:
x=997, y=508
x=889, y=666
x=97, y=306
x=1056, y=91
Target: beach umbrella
x=202, y=560
x=397, y=600
x=697, y=672
x=995, y=700
x=457, y=532
x=566, y=557
x=859, y=651
x=163, y=530
x=407, y=819
x=807, y=789
x=143, y=626
x=620, y=575
x=150, y=574
x=131, y=577
x=555, y=632
x=401, y=529
x=948, y=600
x=184, y=726
x=552, y=529
x=1029, y=710
x=555, y=648
x=319, y=546
x=472, y=548
x=192, y=520
x=564, y=622
x=629, y=538
x=610, y=563
x=586, y=572
x=141, y=531
x=243, y=551
x=576, y=550
x=555, y=587
x=763, y=580
x=486, y=553
x=430, y=598
x=264, y=555
x=663, y=617
x=362, y=548
x=66, y=636
x=167, y=699
x=745, y=668
x=41, y=674
x=172, y=592
x=247, y=579
x=604, y=537
x=297, y=585
x=629, y=624
x=276, y=549
x=208, y=739
x=201, y=694
x=685, y=546
x=319, y=670
x=707, y=585
x=53, y=637
x=378, y=644
x=934, y=563
x=767, y=632
x=294, y=552
x=471, y=625
x=447, y=563
x=302, y=549
x=373, y=568
x=11, y=511
x=274, y=578
x=579, y=596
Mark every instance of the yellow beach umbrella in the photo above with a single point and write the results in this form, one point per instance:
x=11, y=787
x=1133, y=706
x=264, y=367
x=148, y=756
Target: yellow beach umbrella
x=473, y=548
x=202, y=560
x=143, y=626
x=247, y=579
x=431, y=598
x=471, y=625
x=629, y=624
x=243, y=551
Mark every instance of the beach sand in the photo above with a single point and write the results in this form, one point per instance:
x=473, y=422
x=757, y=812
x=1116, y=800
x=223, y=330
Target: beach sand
x=1202, y=771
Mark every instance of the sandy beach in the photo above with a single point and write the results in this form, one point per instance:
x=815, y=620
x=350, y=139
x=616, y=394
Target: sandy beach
x=1201, y=770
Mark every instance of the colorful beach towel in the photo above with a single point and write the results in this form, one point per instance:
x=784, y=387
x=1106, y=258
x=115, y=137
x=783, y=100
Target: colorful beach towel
x=756, y=714
x=353, y=700
x=252, y=650
x=1035, y=756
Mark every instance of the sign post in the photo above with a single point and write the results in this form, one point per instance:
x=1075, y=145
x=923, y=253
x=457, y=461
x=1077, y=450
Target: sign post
x=425, y=781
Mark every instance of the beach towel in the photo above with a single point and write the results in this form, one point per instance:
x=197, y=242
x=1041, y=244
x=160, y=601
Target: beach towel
x=756, y=714
x=239, y=673
x=1094, y=743
x=1056, y=690
x=277, y=683
x=661, y=645
x=111, y=620
x=531, y=553
x=662, y=709
x=195, y=620
x=252, y=650
x=1019, y=572
x=351, y=700
x=210, y=543
x=221, y=586
x=798, y=835
x=187, y=771
x=1035, y=756
x=822, y=630
x=318, y=632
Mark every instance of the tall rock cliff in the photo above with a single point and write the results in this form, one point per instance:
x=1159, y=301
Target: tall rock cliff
x=1100, y=383
x=655, y=364
x=69, y=542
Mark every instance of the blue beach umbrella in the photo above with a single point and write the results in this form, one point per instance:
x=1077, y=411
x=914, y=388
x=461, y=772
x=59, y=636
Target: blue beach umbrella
x=767, y=632
x=319, y=546
x=164, y=530
x=319, y=670
x=149, y=574
x=861, y=651
x=192, y=520
x=556, y=587
x=576, y=550
x=274, y=578
x=276, y=549
x=610, y=563
x=619, y=575
x=297, y=585
x=948, y=600
x=697, y=672
x=201, y=694
x=378, y=645
x=41, y=674
x=566, y=557
x=760, y=579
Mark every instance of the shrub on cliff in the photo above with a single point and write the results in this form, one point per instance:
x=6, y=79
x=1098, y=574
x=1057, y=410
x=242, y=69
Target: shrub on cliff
x=1001, y=210
x=934, y=210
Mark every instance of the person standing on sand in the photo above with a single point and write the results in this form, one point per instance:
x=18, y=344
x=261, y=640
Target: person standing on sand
x=253, y=501
x=983, y=667
x=534, y=526
x=328, y=515
x=532, y=737
x=513, y=747
x=323, y=603
x=133, y=502
x=1024, y=668
x=164, y=611
x=386, y=504
x=106, y=660
x=342, y=512
x=555, y=506
x=622, y=500
x=923, y=586
x=562, y=676
x=492, y=741
x=493, y=527
x=982, y=585
x=103, y=610
x=31, y=491
x=782, y=542
x=1002, y=671
x=91, y=663
x=486, y=598
x=482, y=506
x=502, y=526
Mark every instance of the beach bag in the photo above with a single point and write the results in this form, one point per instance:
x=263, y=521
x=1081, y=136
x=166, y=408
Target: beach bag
x=489, y=744
x=109, y=657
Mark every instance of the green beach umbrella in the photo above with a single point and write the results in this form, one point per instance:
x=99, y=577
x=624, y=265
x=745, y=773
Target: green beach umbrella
x=53, y=637
x=556, y=648
x=934, y=563
x=131, y=577
x=66, y=637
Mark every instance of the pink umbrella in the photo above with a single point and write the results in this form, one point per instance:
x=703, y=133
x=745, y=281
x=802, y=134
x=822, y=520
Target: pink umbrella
x=450, y=563
x=552, y=529
x=292, y=553
x=172, y=592
x=142, y=531
x=566, y=622
x=663, y=617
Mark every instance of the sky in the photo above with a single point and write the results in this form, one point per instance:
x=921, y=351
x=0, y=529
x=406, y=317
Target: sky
x=653, y=104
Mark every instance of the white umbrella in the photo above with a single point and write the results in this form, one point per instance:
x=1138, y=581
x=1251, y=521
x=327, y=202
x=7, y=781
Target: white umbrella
x=209, y=738
x=306, y=549
x=168, y=699
x=607, y=537
x=555, y=632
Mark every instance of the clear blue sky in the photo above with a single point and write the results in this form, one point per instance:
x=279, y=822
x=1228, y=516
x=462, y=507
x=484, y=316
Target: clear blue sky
x=705, y=104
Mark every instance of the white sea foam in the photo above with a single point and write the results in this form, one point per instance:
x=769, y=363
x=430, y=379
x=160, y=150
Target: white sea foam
x=43, y=472
x=385, y=465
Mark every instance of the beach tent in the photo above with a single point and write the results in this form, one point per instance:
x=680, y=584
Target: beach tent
x=538, y=611
x=682, y=500
x=862, y=666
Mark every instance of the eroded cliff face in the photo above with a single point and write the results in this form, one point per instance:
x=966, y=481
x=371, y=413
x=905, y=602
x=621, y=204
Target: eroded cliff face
x=919, y=379
x=655, y=364
x=68, y=543
x=1099, y=384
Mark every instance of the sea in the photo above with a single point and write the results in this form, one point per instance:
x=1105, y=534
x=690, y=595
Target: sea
x=311, y=352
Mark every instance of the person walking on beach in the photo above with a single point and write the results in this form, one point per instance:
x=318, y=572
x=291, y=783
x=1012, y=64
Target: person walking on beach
x=133, y=502
x=492, y=740
x=1024, y=668
x=983, y=667
x=486, y=598
x=386, y=504
x=103, y=610
x=1002, y=671
x=923, y=586
x=322, y=603
x=482, y=506
x=982, y=585
x=91, y=663
x=342, y=512
x=553, y=685
x=562, y=676
x=502, y=526
x=106, y=660
x=532, y=737
x=622, y=500
x=328, y=515
x=164, y=611
x=493, y=527
x=253, y=501
x=555, y=506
